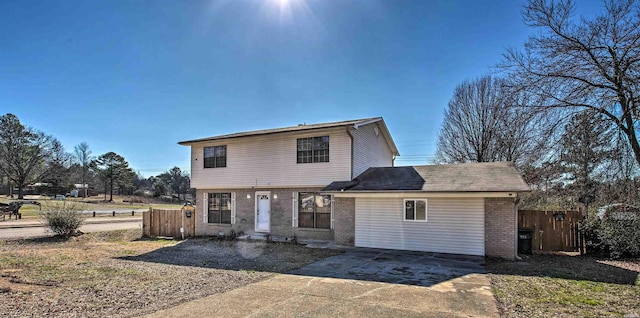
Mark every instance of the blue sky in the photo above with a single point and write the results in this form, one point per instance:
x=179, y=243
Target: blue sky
x=136, y=77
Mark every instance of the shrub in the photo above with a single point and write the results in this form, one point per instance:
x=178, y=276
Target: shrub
x=63, y=218
x=613, y=237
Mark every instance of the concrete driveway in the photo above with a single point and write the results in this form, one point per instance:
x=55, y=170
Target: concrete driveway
x=360, y=283
x=396, y=267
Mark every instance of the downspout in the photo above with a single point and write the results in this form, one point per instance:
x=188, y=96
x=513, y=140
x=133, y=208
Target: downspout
x=516, y=201
x=351, y=176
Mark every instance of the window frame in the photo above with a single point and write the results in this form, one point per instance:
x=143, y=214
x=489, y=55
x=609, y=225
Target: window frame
x=315, y=212
x=215, y=157
x=220, y=210
x=315, y=153
x=415, y=205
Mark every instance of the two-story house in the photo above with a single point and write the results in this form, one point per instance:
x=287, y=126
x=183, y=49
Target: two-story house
x=269, y=181
x=337, y=181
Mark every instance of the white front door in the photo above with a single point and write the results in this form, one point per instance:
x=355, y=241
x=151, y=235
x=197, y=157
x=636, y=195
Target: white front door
x=263, y=211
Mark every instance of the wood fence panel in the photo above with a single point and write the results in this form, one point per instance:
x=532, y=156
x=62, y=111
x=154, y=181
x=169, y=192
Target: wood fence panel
x=550, y=231
x=146, y=223
x=167, y=223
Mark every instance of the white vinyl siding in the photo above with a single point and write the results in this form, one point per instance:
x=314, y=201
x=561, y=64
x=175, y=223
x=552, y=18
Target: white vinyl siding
x=454, y=226
x=271, y=161
x=369, y=149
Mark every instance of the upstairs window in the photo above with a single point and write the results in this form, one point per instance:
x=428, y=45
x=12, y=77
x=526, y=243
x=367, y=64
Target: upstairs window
x=314, y=149
x=215, y=157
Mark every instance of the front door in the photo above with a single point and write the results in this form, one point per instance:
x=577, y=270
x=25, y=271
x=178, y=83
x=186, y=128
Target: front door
x=263, y=211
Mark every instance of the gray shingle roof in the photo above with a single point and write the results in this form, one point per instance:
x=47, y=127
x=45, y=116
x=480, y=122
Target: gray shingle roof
x=301, y=127
x=469, y=177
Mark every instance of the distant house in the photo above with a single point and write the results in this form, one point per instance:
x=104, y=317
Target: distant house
x=336, y=181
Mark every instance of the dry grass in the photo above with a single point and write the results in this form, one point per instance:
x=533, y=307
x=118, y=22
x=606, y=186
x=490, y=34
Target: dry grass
x=116, y=274
x=566, y=286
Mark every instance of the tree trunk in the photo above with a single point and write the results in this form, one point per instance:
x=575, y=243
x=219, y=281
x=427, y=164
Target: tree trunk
x=84, y=189
x=20, y=191
x=111, y=190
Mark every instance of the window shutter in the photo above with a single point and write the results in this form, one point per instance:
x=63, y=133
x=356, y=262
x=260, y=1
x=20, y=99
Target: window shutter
x=233, y=208
x=294, y=218
x=332, y=217
x=205, y=206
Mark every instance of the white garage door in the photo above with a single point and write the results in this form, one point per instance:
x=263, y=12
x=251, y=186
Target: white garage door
x=453, y=226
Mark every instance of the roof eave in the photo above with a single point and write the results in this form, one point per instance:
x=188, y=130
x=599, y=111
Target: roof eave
x=218, y=138
x=190, y=142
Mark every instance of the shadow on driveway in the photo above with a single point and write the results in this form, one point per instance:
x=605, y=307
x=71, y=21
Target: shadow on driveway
x=387, y=266
x=235, y=255
x=396, y=267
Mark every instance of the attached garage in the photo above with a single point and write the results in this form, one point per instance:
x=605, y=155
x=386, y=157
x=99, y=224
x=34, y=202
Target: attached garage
x=468, y=209
x=451, y=226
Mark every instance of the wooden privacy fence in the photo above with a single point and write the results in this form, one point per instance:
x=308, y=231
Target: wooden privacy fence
x=552, y=230
x=167, y=223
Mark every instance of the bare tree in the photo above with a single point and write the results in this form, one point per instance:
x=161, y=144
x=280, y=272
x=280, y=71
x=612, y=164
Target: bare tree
x=574, y=64
x=83, y=155
x=484, y=122
x=471, y=123
x=23, y=152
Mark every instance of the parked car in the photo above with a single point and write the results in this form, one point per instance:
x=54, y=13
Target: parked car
x=58, y=197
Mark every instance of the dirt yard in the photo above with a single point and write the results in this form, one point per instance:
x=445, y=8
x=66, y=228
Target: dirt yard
x=117, y=274
x=566, y=286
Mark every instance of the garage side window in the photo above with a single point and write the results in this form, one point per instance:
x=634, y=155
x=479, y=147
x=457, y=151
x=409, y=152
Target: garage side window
x=415, y=210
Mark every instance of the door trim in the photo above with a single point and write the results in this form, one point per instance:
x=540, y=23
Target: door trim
x=255, y=211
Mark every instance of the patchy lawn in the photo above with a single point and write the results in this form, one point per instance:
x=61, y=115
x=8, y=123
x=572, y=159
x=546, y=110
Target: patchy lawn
x=117, y=274
x=566, y=286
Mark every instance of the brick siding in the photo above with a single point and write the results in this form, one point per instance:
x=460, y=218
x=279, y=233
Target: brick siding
x=500, y=227
x=281, y=215
x=345, y=220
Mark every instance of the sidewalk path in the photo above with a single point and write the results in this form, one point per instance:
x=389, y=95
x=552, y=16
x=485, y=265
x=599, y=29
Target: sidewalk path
x=307, y=296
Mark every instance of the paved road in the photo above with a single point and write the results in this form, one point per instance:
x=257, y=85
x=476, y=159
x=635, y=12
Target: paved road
x=40, y=231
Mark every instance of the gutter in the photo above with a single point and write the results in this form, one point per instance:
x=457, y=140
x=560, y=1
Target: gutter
x=351, y=176
x=375, y=120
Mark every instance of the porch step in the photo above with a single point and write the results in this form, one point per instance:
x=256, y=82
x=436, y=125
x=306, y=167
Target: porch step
x=283, y=239
x=262, y=237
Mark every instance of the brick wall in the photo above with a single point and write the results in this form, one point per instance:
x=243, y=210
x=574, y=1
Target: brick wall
x=344, y=223
x=500, y=227
x=280, y=216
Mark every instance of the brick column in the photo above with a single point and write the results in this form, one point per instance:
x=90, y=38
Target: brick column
x=500, y=227
x=344, y=221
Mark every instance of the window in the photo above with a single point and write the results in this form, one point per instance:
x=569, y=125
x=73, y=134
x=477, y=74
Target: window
x=215, y=157
x=415, y=210
x=219, y=210
x=314, y=149
x=314, y=210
